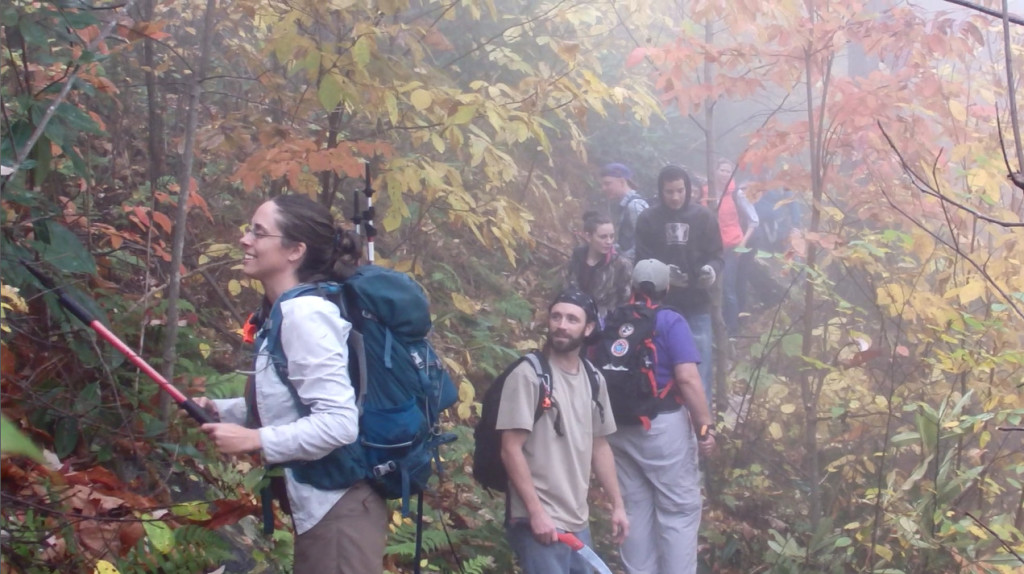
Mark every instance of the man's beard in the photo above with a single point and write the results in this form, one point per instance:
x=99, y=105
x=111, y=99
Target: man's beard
x=565, y=345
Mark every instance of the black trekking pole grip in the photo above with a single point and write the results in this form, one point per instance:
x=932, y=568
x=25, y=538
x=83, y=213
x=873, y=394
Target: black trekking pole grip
x=198, y=413
x=188, y=405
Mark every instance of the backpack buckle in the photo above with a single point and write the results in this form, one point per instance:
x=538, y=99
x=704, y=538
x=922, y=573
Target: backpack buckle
x=383, y=469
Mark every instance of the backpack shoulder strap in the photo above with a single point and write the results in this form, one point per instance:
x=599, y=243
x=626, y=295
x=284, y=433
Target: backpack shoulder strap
x=595, y=386
x=271, y=330
x=546, y=401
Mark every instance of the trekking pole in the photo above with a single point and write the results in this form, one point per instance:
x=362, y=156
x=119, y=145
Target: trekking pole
x=188, y=405
x=369, y=214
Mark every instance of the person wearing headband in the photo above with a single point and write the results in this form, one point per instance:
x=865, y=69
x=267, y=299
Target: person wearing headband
x=550, y=444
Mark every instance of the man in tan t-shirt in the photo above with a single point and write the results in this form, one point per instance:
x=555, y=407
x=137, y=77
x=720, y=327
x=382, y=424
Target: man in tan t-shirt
x=549, y=472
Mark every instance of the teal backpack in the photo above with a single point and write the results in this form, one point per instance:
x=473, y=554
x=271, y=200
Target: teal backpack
x=401, y=384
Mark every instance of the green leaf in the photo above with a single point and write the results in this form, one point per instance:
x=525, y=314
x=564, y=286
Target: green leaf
x=361, y=52
x=62, y=249
x=253, y=478
x=159, y=533
x=197, y=510
x=65, y=436
x=13, y=441
x=463, y=115
x=329, y=93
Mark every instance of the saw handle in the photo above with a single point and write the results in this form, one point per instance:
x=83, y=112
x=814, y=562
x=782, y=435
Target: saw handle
x=570, y=540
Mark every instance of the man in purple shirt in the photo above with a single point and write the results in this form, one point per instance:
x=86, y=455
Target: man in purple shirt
x=658, y=468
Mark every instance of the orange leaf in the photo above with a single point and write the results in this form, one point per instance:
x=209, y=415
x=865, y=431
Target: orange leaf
x=230, y=512
x=140, y=212
x=162, y=220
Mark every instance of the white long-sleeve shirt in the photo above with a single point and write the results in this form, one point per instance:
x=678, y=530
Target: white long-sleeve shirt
x=313, y=336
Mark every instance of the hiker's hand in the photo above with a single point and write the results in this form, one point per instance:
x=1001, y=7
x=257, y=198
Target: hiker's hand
x=707, y=446
x=676, y=277
x=707, y=277
x=230, y=438
x=207, y=405
x=204, y=403
x=543, y=528
x=620, y=524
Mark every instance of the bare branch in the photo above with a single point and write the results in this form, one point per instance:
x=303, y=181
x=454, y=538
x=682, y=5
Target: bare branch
x=993, y=533
x=1012, y=18
x=960, y=253
x=923, y=186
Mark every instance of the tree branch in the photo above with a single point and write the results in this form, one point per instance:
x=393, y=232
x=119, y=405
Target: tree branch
x=981, y=270
x=993, y=533
x=51, y=110
x=1011, y=93
x=1012, y=18
x=923, y=186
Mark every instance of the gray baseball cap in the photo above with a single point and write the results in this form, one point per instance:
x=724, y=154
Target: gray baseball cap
x=653, y=271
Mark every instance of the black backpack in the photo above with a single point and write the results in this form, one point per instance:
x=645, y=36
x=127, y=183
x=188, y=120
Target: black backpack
x=626, y=357
x=488, y=469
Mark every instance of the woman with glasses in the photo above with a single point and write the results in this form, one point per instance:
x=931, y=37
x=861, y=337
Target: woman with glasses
x=290, y=241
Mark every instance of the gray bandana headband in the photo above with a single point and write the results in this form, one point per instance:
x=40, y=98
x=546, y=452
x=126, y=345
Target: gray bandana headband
x=580, y=299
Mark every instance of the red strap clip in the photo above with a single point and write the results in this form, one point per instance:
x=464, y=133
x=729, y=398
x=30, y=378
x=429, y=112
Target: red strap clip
x=249, y=329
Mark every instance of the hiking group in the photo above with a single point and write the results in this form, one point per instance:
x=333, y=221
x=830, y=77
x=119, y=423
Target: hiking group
x=344, y=396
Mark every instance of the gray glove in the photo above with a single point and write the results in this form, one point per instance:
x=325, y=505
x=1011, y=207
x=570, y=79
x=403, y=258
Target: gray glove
x=676, y=277
x=707, y=277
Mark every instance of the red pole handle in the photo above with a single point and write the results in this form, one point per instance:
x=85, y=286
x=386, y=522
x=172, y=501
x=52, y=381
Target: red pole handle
x=189, y=406
x=570, y=540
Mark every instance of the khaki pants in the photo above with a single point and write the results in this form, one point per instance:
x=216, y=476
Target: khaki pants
x=350, y=538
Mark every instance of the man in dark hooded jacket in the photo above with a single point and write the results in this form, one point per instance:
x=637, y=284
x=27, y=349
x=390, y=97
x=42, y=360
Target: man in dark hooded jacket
x=684, y=235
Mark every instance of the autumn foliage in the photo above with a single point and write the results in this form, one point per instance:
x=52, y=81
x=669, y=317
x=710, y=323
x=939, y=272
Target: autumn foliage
x=863, y=427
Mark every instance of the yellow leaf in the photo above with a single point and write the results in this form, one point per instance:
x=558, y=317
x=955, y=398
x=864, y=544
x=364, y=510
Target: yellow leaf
x=104, y=567
x=463, y=115
x=958, y=111
x=974, y=289
x=438, y=142
x=466, y=391
x=392, y=220
x=788, y=409
x=234, y=287
x=421, y=99
x=775, y=430
x=465, y=304
x=11, y=295
x=204, y=350
x=884, y=552
x=392, y=105
x=977, y=531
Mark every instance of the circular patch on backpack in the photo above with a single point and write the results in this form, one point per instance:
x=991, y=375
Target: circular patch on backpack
x=620, y=348
x=626, y=330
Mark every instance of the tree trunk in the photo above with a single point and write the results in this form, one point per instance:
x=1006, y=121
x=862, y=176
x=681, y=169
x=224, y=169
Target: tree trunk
x=720, y=337
x=807, y=387
x=185, y=187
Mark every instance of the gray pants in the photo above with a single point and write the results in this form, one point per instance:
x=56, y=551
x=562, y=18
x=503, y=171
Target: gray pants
x=660, y=481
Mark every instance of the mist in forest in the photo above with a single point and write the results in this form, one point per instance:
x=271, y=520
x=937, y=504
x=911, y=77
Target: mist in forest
x=866, y=380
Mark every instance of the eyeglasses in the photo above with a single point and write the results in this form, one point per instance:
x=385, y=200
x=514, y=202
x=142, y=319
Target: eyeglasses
x=248, y=230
